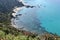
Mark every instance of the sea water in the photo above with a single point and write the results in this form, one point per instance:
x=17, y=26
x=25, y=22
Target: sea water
x=50, y=16
x=47, y=11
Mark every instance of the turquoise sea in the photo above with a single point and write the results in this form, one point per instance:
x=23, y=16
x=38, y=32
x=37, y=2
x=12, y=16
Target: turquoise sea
x=48, y=15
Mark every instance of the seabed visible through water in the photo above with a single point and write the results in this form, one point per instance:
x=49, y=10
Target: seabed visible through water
x=46, y=12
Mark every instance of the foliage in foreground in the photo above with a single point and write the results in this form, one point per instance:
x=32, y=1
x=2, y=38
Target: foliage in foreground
x=13, y=37
x=10, y=33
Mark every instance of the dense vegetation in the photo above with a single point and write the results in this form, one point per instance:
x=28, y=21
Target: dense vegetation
x=6, y=7
x=11, y=34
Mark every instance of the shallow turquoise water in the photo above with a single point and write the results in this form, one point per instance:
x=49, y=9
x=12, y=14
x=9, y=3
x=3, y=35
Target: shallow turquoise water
x=50, y=17
x=48, y=14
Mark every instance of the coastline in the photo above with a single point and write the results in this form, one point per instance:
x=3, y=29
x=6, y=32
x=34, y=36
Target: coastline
x=16, y=9
x=14, y=14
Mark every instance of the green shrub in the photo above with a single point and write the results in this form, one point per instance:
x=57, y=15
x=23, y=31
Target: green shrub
x=2, y=34
x=9, y=37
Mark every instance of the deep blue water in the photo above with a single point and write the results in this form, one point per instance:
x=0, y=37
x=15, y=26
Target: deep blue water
x=48, y=15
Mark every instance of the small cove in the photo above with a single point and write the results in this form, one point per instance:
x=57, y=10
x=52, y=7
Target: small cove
x=48, y=15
